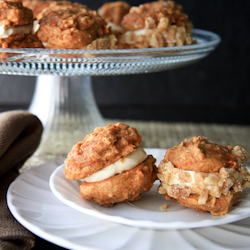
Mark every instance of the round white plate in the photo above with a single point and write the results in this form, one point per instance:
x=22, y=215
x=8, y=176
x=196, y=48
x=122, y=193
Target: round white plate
x=146, y=212
x=33, y=204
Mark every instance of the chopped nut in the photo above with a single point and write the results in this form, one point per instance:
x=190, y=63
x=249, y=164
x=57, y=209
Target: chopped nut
x=240, y=153
x=164, y=207
x=179, y=183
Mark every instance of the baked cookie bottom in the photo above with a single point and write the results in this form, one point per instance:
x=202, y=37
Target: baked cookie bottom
x=21, y=41
x=106, y=42
x=127, y=186
x=216, y=206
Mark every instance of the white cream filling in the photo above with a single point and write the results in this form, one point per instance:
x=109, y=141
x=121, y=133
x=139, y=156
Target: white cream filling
x=22, y=29
x=141, y=32
x=136, y=32
x=177, y=181
x=129, y=36
x=124, y=164
x=36, y=26
x=44, y=44
x=114, y=27
x=198, y=180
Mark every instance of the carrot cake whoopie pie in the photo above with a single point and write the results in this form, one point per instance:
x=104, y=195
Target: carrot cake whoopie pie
x=74, y=27
x=16, y=24
x=112, y=165
x=204, y=176
x=155, y=24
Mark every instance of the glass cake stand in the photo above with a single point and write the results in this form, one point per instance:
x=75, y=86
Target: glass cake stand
x=63, y=98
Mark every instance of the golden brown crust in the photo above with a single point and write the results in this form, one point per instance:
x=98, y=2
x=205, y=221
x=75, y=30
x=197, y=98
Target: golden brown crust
x=71, y=28
x=114, y=11
x=197, y=154
x=13, y=13
x=216, y=206
x=5, y=41
x=106, y=42
x=127, y=186
x=55, y=6
x=135, y=19
x=21, y=41
x=101, y=148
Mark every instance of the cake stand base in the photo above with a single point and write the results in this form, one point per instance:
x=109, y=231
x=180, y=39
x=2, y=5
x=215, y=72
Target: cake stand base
x=68, y=111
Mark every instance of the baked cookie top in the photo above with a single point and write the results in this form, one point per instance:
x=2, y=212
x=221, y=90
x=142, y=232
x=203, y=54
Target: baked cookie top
x=135, y=19
x=71, y=28
x=101, y=148
x=13, y=13
x=55, y=6
x=198, y=154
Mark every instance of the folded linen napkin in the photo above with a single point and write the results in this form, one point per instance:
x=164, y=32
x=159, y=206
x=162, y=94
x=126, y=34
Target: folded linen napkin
x=20, y=134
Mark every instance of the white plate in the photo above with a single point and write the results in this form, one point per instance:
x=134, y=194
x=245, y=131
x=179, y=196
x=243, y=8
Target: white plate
x=36, y=208
x=145, y=213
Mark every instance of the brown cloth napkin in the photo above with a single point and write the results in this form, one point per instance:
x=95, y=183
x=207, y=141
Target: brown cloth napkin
x=20, y=134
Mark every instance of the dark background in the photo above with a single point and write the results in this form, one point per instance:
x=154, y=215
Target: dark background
x=213, y=90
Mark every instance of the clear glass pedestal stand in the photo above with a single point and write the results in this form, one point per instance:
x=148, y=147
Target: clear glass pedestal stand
x=68, y=111
x=63, y=99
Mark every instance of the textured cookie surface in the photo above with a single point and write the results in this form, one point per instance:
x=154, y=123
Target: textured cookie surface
x=127, y=186
x=101, y=148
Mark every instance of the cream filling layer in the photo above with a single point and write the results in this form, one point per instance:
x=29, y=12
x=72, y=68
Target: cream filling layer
x=44, y=44
x=36, y=26
x=129, y=36
x=126, y=163
x=114, y=27
x=22, y=29
x=188, y=178
x=177, y=182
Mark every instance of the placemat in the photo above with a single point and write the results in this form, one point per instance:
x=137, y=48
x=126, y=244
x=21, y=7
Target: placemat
x=165, y=135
